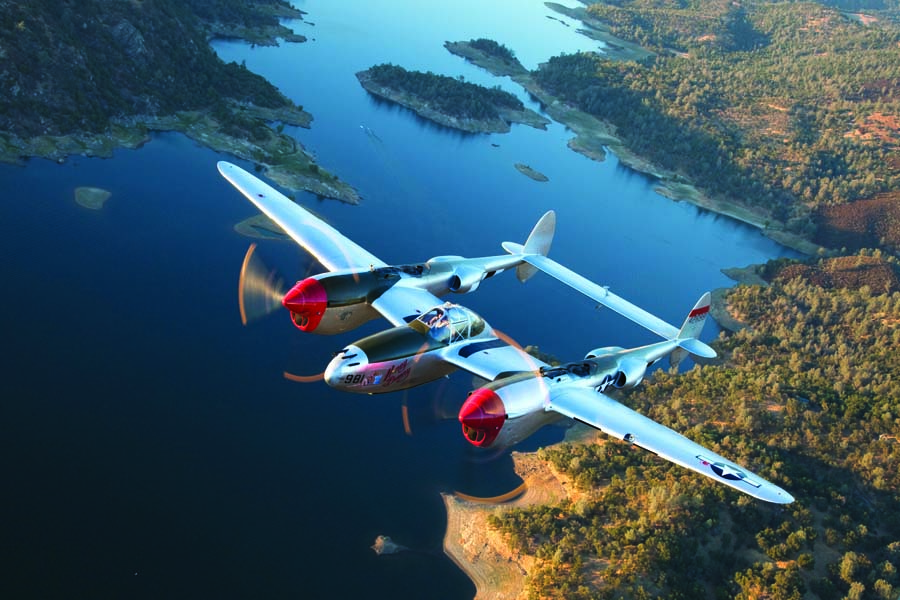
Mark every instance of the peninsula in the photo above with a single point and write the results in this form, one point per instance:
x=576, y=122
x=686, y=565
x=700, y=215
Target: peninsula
x=450, y=102
x=112, y=73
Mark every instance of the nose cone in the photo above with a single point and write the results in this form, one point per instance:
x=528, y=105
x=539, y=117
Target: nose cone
x=347, y=370
x=482, y=415
x=307, y=302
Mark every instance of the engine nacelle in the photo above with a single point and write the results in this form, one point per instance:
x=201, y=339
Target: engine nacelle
x=333, y=303
x=465, y=279
x=630, y=372
x=603, y=352
x=505, y=411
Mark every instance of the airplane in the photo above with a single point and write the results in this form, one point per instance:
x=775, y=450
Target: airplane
x=431, y=339
x=359, y=287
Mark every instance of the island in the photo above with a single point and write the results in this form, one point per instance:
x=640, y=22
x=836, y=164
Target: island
x=92, y=198
x=110, y=74
x=592, y=136
x=385, y=545
x=531, y=173
x=489, y=55
x=451, y=102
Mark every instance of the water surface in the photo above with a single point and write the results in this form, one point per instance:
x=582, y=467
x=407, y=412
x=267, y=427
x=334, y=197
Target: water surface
x=152, y=447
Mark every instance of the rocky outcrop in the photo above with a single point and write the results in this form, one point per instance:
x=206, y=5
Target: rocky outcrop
x=498, y=571
x=385, y=545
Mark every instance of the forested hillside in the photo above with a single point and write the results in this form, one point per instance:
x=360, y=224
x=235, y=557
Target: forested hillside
x=784, y=106
x=808, y=396
x=72, y=66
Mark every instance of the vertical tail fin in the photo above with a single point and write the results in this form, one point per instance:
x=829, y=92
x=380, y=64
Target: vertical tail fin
x=688, y=342
x=538, y=242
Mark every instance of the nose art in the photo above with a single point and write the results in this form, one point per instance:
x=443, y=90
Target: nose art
x=343, y=368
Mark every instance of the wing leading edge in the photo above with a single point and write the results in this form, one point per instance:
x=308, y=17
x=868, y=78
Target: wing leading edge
x=330, y=247
x=619, y=421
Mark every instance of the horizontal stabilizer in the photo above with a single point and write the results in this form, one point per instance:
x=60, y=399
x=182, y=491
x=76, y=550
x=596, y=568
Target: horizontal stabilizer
x=696, y=347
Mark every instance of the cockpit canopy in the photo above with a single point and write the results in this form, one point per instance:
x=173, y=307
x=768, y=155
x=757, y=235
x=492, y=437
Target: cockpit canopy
x=451, y=323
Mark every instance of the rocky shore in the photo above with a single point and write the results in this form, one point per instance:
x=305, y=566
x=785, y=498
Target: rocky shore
x=284, y=160
x=159, y=75
x=499, y=573
x=264, y=35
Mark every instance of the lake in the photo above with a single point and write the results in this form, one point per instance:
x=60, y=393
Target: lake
x=152, y=447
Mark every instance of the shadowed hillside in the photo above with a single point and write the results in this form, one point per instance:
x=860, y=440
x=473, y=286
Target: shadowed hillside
x=72, y=66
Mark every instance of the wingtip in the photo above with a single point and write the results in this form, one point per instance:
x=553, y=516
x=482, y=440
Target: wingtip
x=776, y=495
x=785, y=497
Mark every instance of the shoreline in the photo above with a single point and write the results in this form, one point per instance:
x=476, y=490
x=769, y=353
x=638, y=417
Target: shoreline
x=594, y=138
x=283, y=159
x=266, y=35
x=498, y=572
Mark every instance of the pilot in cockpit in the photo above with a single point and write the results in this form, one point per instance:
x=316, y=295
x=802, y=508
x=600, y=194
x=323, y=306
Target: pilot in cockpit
x=435, y=318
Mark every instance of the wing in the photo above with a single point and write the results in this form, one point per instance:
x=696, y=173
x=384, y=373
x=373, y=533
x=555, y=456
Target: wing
x=403, y=303
x=323, y=241
x=490, y=357
x=617, y=420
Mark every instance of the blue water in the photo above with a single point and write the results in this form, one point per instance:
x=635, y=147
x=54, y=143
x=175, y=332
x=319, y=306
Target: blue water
x=151, y=446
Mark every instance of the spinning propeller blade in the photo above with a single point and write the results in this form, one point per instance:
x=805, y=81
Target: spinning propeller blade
x=260, y=293
x=260, y=290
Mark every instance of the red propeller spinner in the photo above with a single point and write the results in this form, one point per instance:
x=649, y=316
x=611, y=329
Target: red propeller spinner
x=482, y=415
x=307, y=301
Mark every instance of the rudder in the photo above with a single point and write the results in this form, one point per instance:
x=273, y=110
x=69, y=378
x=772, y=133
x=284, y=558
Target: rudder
x=538, y=242
x=689, y=334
